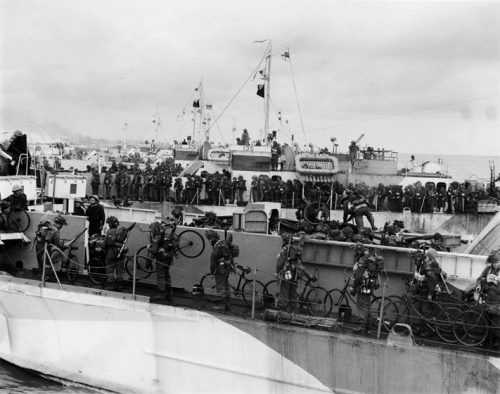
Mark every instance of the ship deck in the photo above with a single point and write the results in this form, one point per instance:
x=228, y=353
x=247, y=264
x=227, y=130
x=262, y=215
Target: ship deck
x=184, y=299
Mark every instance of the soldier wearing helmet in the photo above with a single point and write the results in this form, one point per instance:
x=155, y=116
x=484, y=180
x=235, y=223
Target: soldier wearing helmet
x=367, y=269
x=289, y=269
x=488, y=285
x=113, y=242
x=163, y=248
x=17, y=200
x=47, y=237
x=78, y=208
x=221, y=264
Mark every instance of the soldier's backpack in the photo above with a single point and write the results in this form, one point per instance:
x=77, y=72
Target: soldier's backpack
x=43, y=229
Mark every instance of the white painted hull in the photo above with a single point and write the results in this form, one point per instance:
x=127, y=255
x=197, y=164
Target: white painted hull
x=133, y=346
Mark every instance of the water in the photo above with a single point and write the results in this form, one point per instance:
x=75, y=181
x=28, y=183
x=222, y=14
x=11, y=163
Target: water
x=16, y=380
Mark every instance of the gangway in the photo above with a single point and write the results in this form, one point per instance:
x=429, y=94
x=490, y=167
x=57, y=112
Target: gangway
x=13, y=237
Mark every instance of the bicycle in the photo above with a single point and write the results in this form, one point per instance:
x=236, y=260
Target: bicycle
x=95, y=267
x=244, y=288
x=342, y=299
x=472, y=326
x=410, y=311
x=190, y=244
x=313, y=300
x=18, y=220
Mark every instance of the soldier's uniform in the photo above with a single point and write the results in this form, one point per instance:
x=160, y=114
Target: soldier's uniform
x=95, y=182
x=163, y=249
x=366, y=281
x=48, y=236
x=220, y=266
x=107, y=185
x=113, y=242
x=288, y=268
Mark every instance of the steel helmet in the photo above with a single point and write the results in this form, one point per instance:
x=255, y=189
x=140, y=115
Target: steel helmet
x=17, y=187
x=212, y=235
x=112, y=219
x=59, y=219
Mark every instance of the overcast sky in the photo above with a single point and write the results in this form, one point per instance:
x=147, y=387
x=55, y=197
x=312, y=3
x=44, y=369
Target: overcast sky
x=415, y=77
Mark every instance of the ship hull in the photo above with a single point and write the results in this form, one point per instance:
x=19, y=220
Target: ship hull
x=124, y=345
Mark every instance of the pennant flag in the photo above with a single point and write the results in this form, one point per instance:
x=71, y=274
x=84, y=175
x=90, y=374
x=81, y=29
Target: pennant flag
x=196, y=103
x=260, y=90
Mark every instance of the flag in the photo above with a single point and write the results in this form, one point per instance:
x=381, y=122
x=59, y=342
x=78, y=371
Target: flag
x=196, y=103
x=261, y=90
x=286, y=54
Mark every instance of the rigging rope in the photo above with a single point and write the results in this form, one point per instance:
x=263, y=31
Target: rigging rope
x=297, y=98
x=252, y=74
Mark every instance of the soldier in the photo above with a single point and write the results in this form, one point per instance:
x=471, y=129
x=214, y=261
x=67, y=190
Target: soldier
x=118, y=182
x=221, y=263
x=225, y=188
x=163, y=248
x=17, y=200
x=96, y=216
x=426, y=278
x=46, y=237
x=124, y=184
x=366, y=270
x=360, y=208
x=137, y=180
x=95, y=182
x=241, y=188
x=234, y=189
x=112, y=245
x=78, y=209
x=288, y=270
x=297, y=193
x=108, y=179
x=488, y=285
x=178, y=190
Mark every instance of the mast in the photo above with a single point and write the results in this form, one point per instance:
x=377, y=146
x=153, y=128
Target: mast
x=267, y=84
x=157, y=122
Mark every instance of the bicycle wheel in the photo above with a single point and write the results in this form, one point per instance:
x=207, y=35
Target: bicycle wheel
x=145, y=261
x=57, y=258
x=341, y=309
x=271, y=293
x=471, y=328
x=18, y=220
x=72, y=269
x=389, y=313
x=191, y=244
x=247, y=293
x=97, y=271
x=318, y=301
x=141, y=271
x=209, y=290
x=445, y=318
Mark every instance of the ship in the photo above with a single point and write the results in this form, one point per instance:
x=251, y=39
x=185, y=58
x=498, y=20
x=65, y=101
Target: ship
x=83, y=335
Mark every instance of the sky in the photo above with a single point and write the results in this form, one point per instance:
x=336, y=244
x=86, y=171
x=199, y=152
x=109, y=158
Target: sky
x=415, y=77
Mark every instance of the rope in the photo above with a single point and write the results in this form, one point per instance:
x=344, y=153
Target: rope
x=297, y=98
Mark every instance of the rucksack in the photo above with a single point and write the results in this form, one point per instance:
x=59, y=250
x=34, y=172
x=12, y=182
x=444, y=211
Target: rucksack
x=43, y=229
x=121, y=234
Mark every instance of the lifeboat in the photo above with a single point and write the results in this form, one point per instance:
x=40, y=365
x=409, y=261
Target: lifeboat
x=316, y=167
